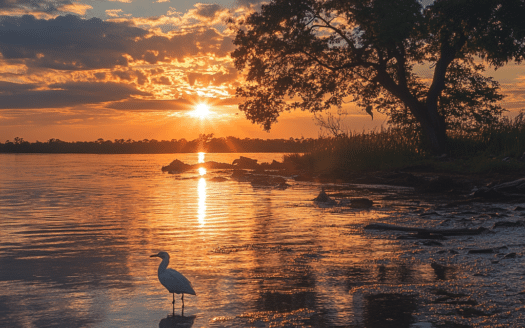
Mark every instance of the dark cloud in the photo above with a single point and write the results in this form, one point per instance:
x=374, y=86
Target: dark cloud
x=123, y=75
x=9, y=88
x=100, y=75
x=72, y=43
x=162, y=81
x=208, y=10
x=156, y=48
x=59, y=95
x=58, y=46
x=43, y=6
x=137, y=104
x=67, y=42
x=207, y=79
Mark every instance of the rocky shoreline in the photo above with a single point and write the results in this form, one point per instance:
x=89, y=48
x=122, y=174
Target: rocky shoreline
x=490, y=187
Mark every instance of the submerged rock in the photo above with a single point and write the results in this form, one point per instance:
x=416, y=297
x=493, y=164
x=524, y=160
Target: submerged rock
x=361, y=203
x=482, y=251
x=218, y=179
x=509, y=224
x=269, y=181
x=442, y=272
x=439, y=184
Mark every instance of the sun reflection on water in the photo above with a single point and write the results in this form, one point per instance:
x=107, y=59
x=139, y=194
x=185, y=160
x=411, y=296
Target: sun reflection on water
x=200, y=160
x=201, y=211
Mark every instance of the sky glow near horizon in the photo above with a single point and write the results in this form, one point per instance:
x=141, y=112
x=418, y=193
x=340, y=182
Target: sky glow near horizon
x=89, y=69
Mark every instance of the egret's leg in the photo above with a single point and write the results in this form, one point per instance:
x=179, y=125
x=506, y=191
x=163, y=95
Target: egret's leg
x=173, y=304
x=182, y=298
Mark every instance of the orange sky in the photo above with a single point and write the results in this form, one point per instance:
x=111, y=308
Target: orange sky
x=120, y=69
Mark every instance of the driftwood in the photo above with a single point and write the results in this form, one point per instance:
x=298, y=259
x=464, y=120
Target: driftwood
x=443, y=232
x=514, y=188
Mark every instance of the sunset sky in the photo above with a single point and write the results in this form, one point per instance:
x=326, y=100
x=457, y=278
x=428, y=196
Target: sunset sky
x=112, y=69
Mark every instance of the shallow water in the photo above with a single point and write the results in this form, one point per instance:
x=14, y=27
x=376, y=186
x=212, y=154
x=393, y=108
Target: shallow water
x=77, y=231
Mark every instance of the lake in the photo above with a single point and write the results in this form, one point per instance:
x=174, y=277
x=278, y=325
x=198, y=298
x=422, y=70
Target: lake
x=77, y=232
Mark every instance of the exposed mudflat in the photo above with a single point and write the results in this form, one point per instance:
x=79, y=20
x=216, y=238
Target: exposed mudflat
x=473, y=280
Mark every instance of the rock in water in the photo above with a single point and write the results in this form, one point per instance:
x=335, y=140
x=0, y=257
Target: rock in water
x=176, y=167
x=324, y=198
x=245, y=163
x=361, y=203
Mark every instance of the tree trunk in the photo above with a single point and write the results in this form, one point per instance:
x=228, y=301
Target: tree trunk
x=432, y=125
x=434, y=130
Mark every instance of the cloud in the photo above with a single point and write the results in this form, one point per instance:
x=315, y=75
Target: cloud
x=178, y=46
x=66, y=60
x=67, y=42
x=42, y=8
x=71, y=43
x=249, y=3
x=137, y=104
x=207, y=10
x=207, y=13
x=206, y=79
x=9, y=88
x=201, y=15
x=114, y=12
x=75, y=8
x=60, y=95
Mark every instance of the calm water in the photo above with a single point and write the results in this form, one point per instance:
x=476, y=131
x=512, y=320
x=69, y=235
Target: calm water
x=77, y=231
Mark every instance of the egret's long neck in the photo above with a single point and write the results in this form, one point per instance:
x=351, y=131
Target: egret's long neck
x=164, y=264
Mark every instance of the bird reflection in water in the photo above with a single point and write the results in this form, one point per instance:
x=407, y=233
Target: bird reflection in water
x=177, y=321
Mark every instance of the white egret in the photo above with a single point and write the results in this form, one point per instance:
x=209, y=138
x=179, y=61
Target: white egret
x=173, y=280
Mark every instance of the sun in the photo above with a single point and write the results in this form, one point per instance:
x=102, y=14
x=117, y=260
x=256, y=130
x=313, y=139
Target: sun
x=201, y=111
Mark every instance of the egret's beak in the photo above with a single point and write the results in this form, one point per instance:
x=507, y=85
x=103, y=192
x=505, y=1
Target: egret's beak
x=156, y=255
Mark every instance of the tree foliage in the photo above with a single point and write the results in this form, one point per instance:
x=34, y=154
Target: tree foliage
x=316, y=54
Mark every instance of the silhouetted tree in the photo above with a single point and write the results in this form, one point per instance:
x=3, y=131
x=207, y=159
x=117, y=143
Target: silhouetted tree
x=315, y=54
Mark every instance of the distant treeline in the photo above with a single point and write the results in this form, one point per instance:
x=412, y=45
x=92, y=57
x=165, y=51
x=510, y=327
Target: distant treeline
x=205, y=143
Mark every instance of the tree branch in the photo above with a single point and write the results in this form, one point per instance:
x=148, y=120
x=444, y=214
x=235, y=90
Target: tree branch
x=338, y=31
x=448, y=54
x=400, y=56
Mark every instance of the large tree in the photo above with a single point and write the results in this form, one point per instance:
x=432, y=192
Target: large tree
x=316, y=54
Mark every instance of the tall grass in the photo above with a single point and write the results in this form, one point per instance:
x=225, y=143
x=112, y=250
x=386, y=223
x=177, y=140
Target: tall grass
x=504, y=139
x=496, y=148
x=384, y=149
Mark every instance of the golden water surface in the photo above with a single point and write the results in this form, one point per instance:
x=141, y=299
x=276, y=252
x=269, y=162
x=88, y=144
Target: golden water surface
x=77, y=232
